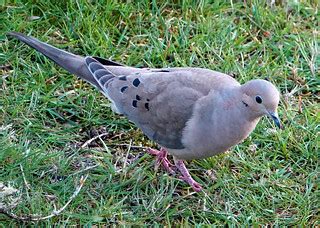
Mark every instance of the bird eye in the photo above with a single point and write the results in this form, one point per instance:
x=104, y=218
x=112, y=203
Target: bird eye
x=258, y=99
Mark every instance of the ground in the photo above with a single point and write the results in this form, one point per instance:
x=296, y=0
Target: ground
x=47, y=115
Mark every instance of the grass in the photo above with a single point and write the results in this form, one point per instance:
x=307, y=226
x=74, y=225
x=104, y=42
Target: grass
x=271, y=178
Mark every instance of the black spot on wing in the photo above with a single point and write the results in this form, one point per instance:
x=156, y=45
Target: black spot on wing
x=136, y=82
x=138, y=97
x=148, y=99
x=134, y=103
x=123, y=78
x=123, y=89
x=146, y=105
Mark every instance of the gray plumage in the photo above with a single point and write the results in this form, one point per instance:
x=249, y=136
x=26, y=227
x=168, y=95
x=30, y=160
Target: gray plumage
x=192, y=112
x=167, y=95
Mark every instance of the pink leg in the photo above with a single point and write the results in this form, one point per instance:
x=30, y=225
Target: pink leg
x=161, y=159
x=186, y=175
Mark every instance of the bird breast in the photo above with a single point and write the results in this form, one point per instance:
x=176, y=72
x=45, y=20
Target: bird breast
x=215, y=126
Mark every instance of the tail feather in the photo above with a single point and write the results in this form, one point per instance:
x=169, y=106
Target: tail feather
x=73, y=63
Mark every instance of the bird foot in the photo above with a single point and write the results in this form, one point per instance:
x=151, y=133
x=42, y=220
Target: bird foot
x=161, y=159
x=166, y=164
x=187, y=177
x=194, y=185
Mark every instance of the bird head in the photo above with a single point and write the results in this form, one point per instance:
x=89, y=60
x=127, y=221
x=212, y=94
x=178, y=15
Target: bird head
x=261, y=98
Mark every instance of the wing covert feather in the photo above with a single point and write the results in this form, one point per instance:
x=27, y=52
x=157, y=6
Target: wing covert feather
x=159, y=103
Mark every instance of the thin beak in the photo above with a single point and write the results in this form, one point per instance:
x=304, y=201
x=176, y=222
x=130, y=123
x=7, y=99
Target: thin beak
x=275, y=118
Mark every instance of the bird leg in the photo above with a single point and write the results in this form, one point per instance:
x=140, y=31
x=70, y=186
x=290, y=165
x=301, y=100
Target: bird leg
x=161, y=159
x=186, y=175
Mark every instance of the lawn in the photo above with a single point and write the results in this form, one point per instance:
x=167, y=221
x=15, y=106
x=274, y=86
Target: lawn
x=48, y=116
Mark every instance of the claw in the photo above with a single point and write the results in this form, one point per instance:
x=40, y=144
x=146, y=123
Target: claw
x=187, y=177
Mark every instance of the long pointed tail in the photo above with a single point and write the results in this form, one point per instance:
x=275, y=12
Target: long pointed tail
x=73, y=63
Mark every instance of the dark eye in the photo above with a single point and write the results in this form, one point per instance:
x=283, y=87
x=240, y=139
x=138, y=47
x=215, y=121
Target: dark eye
x=258, y=99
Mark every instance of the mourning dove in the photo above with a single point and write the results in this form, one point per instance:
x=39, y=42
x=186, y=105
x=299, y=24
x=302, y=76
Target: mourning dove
x=192, y=113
